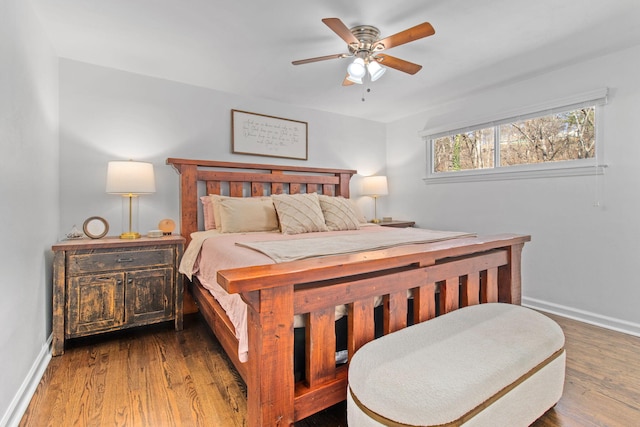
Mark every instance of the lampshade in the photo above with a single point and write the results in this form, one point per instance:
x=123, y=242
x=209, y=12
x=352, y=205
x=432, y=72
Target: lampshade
x=357, y=69
x=375, y=186
x=353, y=79
x=375, y=70
x=129, y=177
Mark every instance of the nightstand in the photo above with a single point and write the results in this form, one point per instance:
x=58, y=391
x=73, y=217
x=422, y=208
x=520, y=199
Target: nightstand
x=397, y=224
x=111, y=284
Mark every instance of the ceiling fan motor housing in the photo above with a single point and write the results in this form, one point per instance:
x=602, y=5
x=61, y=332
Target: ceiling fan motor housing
x=367, y=35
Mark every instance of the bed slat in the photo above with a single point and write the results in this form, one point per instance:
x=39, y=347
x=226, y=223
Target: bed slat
x=320, y=366
x=394, y=311
x=213, y=187
x=257, y=189
x=470, y=290
x=236, y=189
x=424, y=305
x=361, y=328
x=449, y=295
x=490, y=288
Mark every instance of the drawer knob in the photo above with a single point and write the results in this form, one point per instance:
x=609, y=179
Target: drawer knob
x=124, y=260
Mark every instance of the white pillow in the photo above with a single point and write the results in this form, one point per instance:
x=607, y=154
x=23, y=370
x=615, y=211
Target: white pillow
x=338, y=213
x=247, y=214
x=299, y=213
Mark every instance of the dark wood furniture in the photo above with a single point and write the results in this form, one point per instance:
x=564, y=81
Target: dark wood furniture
x=110, y=284
x=397, y=223
x=442, y=277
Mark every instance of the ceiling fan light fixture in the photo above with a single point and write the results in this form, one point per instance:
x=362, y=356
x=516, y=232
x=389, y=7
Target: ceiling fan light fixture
x=375, y=70
x=357, y=69
x=353, y=79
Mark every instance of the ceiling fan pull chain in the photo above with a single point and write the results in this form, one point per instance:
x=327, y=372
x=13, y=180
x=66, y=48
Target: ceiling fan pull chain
x=363, y=92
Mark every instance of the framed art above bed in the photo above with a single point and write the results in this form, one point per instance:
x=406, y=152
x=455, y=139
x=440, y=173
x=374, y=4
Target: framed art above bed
x=270, y=136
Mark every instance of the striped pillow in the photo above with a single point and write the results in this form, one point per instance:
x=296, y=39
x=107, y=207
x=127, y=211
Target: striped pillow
x=299, y=213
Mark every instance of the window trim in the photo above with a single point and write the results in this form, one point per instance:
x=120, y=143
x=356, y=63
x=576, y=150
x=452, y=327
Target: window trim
x=581, y=167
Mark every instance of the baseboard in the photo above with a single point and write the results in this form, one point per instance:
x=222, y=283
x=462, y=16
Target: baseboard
x=584, y=316
x=22, y=398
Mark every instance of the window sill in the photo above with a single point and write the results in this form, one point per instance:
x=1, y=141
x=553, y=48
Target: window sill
x=510, y=173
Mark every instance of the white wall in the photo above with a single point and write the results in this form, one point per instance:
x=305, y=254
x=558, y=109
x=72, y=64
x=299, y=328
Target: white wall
x=30, y=207
x=107, y=114
x=582, y=259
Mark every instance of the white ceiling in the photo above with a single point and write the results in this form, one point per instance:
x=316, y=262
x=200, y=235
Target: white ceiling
x=246, y=47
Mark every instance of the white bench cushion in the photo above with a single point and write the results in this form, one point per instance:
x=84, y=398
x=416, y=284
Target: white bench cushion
x=451, y=369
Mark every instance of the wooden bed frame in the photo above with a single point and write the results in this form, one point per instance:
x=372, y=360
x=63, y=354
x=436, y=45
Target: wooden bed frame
x=442, y=276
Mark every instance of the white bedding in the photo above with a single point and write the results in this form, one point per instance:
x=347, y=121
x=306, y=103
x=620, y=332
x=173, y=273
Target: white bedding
x=226, y=250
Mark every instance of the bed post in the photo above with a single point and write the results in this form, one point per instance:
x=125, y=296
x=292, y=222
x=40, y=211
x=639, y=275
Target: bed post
x=188, y=198
x=343, y=187
x=270, y=384
x=509, y=276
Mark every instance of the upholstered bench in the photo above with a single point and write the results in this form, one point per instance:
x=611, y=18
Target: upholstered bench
x=484, y=365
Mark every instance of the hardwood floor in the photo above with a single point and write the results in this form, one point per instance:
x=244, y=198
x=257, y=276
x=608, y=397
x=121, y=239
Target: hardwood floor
x=155, y=376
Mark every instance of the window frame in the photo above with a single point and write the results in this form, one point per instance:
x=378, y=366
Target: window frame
x=579, y=167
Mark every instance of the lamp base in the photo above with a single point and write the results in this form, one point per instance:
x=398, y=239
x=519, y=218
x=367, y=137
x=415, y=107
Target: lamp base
x=130, y=235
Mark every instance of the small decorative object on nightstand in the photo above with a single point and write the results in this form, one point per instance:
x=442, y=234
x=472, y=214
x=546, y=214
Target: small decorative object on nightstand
x=111, y=284
x=397, y=223
x=167, y=226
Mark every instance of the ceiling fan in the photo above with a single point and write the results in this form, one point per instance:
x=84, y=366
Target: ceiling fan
x=364, y=43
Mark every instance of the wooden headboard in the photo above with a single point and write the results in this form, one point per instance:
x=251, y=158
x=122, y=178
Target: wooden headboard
x=250, y=180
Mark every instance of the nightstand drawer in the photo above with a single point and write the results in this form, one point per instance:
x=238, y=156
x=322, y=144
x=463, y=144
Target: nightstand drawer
x=123, y=260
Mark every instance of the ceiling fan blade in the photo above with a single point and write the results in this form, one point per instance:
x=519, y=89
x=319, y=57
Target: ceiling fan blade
x=414, y=33
x=341, y=30
x=347, y=82
x=318, y=58
x=398, y=64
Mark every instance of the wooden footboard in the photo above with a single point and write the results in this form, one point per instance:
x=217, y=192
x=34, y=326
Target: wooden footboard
x=440, y=276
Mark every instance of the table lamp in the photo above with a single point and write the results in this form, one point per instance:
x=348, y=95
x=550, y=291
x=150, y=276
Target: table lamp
x=375, y=186
x=130, y=179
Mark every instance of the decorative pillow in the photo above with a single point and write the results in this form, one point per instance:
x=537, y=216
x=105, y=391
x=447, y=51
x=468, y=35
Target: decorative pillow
x=299, y=213
x=207, y=210
x=356, y=209
x=247, y=214
x=215, y=202
x=338, y=213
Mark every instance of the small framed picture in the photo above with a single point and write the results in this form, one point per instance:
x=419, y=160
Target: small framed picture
x=95, y=227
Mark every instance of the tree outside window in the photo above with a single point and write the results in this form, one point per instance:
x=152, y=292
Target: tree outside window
x=563, y=136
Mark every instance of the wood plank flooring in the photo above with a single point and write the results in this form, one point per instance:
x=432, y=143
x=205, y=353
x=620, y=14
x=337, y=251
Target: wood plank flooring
x=157, y=377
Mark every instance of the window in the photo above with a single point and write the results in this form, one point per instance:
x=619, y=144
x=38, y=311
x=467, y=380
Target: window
x=549, y=140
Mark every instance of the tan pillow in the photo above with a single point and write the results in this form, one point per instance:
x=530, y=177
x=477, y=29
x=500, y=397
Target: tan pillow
x=247, y=214
x=338, y=213
x=207, y=211
x=215, y=202
x=299, y=213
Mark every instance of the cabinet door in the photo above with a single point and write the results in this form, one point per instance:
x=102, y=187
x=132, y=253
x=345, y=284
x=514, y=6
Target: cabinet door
x=95, y=303
x=149, y=296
